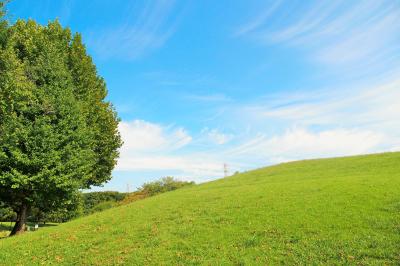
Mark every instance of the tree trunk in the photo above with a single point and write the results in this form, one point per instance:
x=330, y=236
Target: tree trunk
x=20, y=226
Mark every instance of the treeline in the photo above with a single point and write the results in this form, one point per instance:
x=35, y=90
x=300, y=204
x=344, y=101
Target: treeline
x=88, y=203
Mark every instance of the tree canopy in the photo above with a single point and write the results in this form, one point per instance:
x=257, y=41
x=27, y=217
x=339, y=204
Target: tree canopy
x=58, y=133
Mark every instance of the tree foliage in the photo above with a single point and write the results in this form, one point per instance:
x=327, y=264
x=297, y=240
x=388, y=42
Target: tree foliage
x=58, y=134
x=67, y=210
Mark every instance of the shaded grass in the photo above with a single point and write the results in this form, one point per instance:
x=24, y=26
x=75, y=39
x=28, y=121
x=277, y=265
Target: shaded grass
x=6, y=227
x=331, y=211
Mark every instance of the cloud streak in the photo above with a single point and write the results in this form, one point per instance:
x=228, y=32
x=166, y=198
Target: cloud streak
x=336, y=33
x=301, y=143
x=362, y=107
x=143, y=30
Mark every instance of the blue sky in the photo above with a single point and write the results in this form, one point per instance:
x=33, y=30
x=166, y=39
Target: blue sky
x=249, y=83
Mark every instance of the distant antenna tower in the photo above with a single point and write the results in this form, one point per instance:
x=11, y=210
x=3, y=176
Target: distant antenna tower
x=127, y=188
x=225, y=170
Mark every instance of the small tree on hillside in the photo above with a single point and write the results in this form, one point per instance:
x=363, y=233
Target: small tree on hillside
x=57, y=133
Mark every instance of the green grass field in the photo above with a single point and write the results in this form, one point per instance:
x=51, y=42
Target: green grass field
x=322, y=212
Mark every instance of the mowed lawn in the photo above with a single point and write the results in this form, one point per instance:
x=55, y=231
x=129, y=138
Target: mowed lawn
x=323, y=212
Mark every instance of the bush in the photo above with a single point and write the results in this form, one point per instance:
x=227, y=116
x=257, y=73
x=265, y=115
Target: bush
x=156, y=187
x=93, y=199
x=103, y=206
x=165, y=184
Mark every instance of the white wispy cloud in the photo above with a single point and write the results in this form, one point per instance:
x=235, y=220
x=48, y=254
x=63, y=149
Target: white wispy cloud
x=144, y=29
x=217, y=97
x=350, y=33
x=332, y=122
x=216, y=136
x=351, y=106
x=258, y=20
x=142, y=136
x=302, y=143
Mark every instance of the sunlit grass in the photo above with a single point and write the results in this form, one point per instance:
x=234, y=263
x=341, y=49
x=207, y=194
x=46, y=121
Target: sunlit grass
x=331, y=211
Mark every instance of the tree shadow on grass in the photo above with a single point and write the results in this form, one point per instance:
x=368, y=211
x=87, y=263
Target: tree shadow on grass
x=6, y=227
x=43, y=225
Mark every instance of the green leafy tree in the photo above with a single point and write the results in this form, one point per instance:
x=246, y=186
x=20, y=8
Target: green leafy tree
x=68, y=210
x=58, y=134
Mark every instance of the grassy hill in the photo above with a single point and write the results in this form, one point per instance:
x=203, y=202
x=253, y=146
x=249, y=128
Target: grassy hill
x=329, y=211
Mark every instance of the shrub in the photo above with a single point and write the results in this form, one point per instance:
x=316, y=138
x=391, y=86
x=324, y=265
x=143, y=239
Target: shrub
x=156, y=187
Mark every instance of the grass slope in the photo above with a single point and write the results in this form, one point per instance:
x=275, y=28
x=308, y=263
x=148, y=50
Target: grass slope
x=329, y=211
